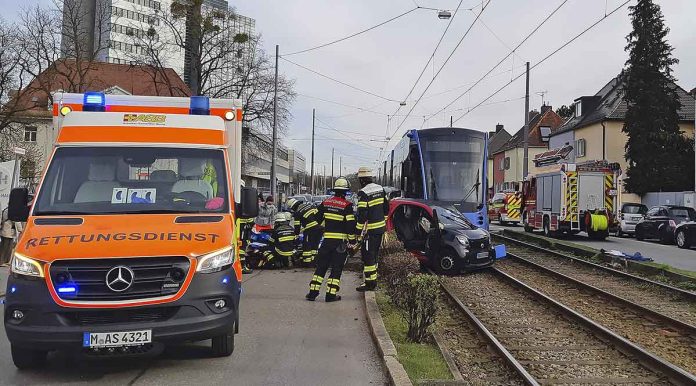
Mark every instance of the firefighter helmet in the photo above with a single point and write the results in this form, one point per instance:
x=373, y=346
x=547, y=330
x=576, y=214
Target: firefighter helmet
x=341, y=184
x=364, y=172
x=291, y=203
x=281, y=217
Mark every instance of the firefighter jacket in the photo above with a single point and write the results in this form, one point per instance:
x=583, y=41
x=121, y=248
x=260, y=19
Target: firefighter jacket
x=373, y=209
x=339, y=218
x=305, y=217
x=282, y=240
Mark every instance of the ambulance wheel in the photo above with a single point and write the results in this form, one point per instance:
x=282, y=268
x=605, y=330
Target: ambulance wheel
x=223, y=345
x=26, y=359
x=500, y=220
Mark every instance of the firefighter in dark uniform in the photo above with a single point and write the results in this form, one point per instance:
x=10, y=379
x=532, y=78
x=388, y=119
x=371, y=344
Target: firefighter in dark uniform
x=307, y=216
x=373, y=209
x=281, y=245
x=339, y=235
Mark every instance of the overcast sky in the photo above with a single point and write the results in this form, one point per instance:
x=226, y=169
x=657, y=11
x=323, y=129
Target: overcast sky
x=386, y=61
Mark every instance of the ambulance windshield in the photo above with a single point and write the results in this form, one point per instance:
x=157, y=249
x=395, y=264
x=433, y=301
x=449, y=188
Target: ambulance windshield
x=106, y=180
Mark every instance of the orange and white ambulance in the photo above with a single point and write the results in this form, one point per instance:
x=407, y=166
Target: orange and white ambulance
x=129, y=241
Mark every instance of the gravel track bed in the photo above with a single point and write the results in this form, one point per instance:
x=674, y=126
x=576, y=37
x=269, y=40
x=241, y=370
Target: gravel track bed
x=568, y=353
x=662, y=338
x=646, y=294
x=478, y=364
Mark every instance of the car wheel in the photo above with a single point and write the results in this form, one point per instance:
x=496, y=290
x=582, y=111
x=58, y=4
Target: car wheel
x=639, y=235
x=446, y=264
x=223, y=345
x=26, y=359
x=681, y=239
x=500, y=220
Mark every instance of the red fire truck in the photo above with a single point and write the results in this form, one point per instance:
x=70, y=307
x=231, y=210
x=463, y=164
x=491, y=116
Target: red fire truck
x=571, y=197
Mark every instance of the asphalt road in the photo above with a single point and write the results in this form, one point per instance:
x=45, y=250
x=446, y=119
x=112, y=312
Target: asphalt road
x=283, y=340
x=667, y=254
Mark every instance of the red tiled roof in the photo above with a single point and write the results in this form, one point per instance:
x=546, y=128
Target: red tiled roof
x=99, y=76
x=547, y=118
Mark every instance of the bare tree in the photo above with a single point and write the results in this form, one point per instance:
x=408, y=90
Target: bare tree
x=13, y=78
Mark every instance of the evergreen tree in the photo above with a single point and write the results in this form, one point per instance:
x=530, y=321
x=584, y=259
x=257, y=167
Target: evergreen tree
x=659, y=157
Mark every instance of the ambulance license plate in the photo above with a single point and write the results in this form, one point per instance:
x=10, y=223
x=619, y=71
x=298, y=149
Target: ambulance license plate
x=482, y=255
x=116, y=339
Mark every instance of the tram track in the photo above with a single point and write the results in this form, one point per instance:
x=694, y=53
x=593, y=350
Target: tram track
x=547, y=342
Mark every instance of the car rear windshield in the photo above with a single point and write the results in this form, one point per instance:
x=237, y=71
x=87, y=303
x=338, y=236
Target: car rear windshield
x=634, y=209
x=108, y=180
x=686, y=213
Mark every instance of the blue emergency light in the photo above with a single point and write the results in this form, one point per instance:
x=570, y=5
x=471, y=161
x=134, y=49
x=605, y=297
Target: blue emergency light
x=94, y=101
x=200, y=105
x=68, y=289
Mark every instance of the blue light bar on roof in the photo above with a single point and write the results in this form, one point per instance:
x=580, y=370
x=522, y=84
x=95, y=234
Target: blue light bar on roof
x=94, y=101
x=200, y=105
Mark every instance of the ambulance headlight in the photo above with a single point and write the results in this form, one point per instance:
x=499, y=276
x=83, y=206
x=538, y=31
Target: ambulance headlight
x=216, y=261
x=229, y=115
x=24, y=265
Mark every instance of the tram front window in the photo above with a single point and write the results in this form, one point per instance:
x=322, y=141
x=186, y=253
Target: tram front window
x=454, y=168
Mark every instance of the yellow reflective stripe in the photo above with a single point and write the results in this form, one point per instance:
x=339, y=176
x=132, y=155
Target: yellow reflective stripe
x=376, y=201
x=333, y=216
x=335, y=235
x=359, y=226
x=310, y=212
x=286, y=238
x=318, y=278
x=376, y=225
x=270, y=239
x=350, y=217
x=282, y=253
x=370, y=268
x=310, y=225
x=307, y=253
x=362, y=204
x=314, y=287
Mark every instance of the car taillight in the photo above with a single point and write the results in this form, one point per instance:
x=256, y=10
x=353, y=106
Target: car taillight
x=672, y=224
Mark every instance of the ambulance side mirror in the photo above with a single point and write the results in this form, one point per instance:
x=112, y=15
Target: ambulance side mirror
x=249, y=206
x=18, y=206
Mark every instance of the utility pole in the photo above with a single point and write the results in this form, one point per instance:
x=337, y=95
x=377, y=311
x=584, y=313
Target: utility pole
x=340, y=165
x=311, y=168
x=275, y=130
x=332, y=166
x=451, y=120
x=323, y=178
x=525, y=166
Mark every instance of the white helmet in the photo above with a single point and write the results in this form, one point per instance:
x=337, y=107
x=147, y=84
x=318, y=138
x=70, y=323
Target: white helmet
x=364, y=172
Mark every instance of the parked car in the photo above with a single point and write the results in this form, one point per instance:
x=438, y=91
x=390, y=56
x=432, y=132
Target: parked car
x=441, y=238
x=630, y=215
x=316, y=200
x=660, y=222
x=685, y=234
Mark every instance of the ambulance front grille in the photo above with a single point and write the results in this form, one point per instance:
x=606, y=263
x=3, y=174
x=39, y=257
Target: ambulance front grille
x=152, y=277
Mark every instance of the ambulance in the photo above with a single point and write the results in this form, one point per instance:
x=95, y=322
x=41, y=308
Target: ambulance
x=129, y=240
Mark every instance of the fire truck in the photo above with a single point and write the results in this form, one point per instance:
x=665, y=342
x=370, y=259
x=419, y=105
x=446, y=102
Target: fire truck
x=570, y=198
x=505, y=207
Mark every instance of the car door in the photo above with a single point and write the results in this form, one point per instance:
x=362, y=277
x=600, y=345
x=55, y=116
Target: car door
x=660, y=221
x=411, y=221
x=647, y=225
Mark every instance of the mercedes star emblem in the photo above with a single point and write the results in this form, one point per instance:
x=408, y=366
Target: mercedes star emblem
x=119, y=278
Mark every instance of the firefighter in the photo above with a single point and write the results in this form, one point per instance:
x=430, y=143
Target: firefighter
x=339, y=235
x=373, y=209
x=281, y=245
x=307, y=216
x=243, y=233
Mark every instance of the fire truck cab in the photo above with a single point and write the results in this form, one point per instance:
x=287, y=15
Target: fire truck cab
x=129, y=242
x=571, y=198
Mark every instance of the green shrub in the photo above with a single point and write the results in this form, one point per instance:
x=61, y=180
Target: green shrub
x=390, y=244
x=418, y=304
x=393, y=270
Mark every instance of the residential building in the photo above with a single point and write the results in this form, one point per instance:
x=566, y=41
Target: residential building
x=496, y=140
x=35, y=128
x=298, y=172
x=595, y=130
x=508, y=160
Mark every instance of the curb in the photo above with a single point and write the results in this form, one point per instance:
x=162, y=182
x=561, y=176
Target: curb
x=395, y=370
x=447, y=355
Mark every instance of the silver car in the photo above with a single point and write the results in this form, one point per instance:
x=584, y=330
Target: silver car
x=630, y=215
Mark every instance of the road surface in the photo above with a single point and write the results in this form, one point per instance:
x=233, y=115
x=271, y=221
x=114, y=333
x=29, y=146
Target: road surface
x=283, y=340
x=667, y=254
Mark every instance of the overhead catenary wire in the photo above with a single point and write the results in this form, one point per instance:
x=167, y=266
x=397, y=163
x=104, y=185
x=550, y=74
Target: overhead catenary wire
x=339, y=81
x=413, y=106
x=545, y=58
x=355, y=34
x=549, y=16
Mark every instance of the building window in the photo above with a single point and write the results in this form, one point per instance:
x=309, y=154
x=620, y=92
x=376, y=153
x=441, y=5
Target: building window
x=578, y=108
x=545, y=133
x=580, y=148
x=507, y=163
x=30, y=134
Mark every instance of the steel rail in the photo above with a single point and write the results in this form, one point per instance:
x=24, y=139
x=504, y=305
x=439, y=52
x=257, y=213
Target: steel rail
x=649, y=360
x=690, y=328
x=492, y=340
x=688, y=294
